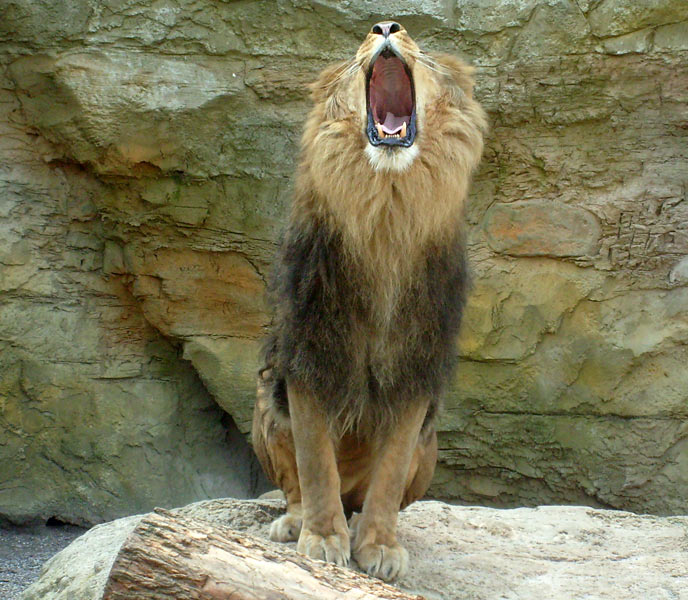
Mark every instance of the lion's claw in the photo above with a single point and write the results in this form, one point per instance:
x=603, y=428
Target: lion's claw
x=384, y=562
x=333, y=548
x=286, y=529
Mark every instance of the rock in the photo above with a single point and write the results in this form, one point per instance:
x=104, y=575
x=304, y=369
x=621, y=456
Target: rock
x=588, y=395
x=480, y=17
x=637, y=41
x=113, y=438
x=507, y=322
x=188, y=292
x=228, y=366
x=82, y=568
x=148, y=151
x=680, y=271
x=672, y=37
x=614, y=17
x=541, y=229
x=455, y=552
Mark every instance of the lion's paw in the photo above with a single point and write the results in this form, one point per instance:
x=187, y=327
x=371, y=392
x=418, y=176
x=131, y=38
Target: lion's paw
x=384, y=562
x=286, y=529
x=334, y=548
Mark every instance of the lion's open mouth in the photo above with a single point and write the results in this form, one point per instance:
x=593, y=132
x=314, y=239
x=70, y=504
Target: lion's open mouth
x=390, y=100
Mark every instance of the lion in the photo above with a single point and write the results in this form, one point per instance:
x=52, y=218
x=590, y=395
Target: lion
x=368, y=290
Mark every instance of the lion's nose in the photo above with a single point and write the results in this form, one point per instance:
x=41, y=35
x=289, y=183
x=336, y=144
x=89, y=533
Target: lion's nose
x=386, y=28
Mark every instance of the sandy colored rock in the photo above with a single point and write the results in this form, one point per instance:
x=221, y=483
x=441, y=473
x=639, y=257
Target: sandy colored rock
x=541, y=229
x=186, y=292
x=228, y=366
x=614, y=17
x=147, y=155
x=456, y=552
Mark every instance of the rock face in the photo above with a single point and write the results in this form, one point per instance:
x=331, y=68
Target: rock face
x=147, y=152
x=455, y=552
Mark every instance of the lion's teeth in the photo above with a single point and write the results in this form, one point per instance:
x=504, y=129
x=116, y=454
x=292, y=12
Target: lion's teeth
x=382, y=134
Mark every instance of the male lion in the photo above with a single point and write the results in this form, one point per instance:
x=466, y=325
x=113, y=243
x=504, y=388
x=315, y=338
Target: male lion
x=368, y=291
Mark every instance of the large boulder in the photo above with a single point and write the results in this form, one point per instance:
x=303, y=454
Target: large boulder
x=147, y=154
x=456, y=552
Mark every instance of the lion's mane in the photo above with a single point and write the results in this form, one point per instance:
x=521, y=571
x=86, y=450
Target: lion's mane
x=370, y=281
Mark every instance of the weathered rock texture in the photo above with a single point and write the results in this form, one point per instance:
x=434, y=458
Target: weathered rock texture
x=456, y=552
x=147, y=152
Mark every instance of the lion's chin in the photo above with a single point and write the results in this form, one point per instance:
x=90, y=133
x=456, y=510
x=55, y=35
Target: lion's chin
x=395, y=159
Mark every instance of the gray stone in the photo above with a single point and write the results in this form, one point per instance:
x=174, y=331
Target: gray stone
x=614, y=17
x=636, y=41
x=229, y=367
x=672, y=37
x=455, y=552
x=385, y=9
x=108, y=117
x=478, y=16
x=679, y=274
x=81, y=569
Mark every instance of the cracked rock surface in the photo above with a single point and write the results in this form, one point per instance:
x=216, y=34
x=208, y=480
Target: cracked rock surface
x=147, y=153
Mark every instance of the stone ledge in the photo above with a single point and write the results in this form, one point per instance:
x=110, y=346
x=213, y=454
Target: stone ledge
x=456, y=552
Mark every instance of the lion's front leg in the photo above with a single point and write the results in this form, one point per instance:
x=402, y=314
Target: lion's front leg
x=324, y=533
x=374, y=531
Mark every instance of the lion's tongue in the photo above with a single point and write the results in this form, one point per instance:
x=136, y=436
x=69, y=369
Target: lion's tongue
x=393, y=123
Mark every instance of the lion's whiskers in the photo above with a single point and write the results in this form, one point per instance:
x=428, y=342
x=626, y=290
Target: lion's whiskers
x=348, y=69
x=428, y=62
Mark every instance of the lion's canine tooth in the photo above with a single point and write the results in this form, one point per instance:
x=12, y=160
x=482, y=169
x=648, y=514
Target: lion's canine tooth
x=380, y=133
x=403, y=129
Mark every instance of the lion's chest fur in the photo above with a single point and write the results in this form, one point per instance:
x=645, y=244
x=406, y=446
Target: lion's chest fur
x=362, y=353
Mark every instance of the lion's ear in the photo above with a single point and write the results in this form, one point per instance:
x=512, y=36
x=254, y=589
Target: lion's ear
x=457, y=72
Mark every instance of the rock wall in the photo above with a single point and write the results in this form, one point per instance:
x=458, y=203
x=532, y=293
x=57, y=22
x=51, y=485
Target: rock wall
x=147, y=153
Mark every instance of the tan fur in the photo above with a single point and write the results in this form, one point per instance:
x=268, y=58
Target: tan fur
x=378, y=211
x=380, y=201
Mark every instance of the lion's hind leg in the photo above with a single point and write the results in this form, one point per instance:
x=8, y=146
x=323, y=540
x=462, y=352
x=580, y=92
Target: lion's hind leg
x=274, y=445
x=287, y=528
x=422, y=466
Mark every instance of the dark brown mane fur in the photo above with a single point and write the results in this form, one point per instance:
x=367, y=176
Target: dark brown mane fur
x=328, y=335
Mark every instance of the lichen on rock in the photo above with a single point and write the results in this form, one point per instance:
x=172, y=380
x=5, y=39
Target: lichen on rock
x=147, y=160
